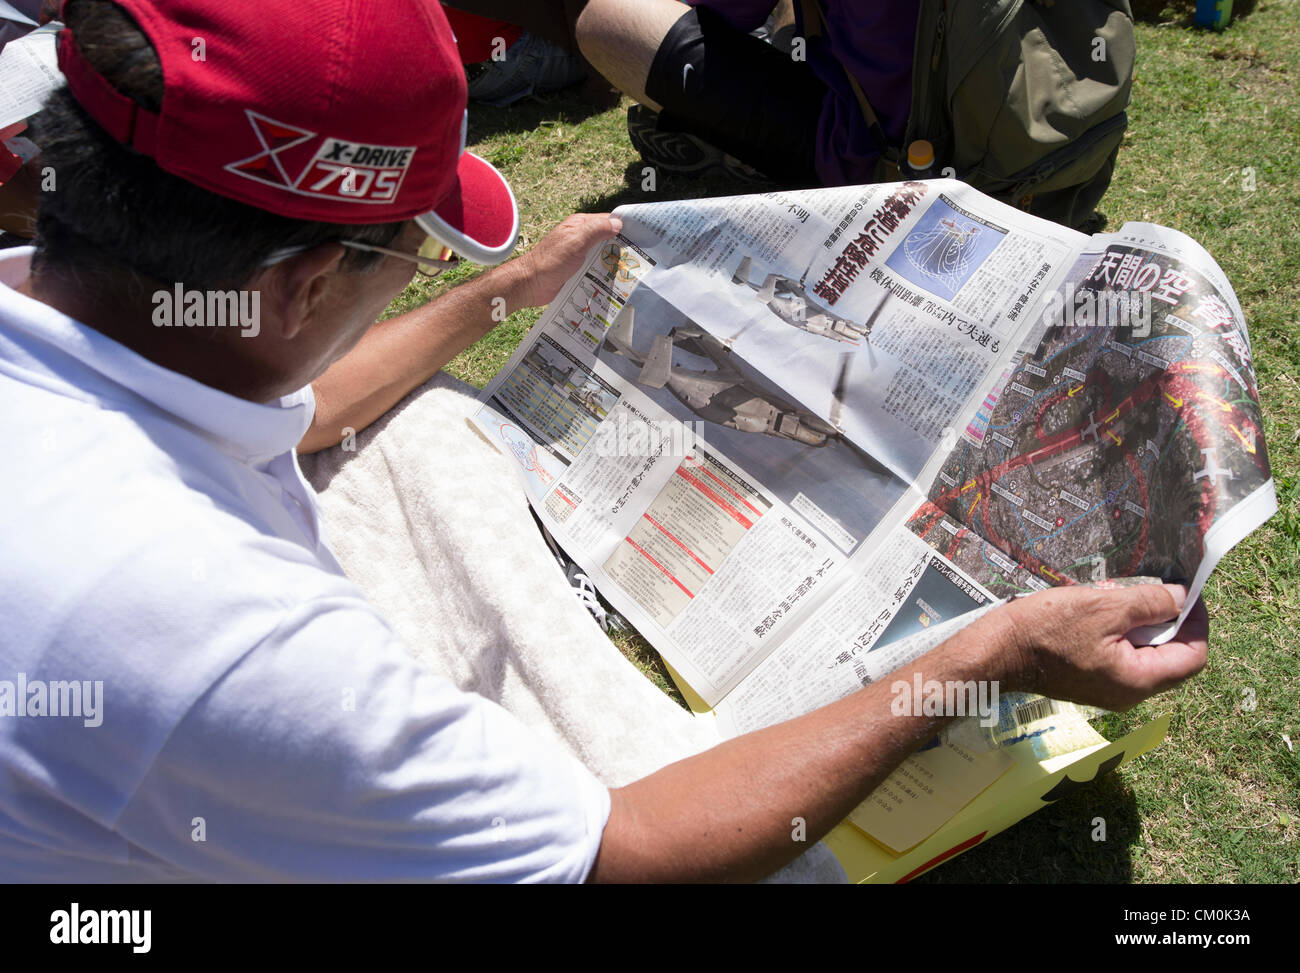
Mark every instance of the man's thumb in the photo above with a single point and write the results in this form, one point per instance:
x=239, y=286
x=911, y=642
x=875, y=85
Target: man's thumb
x=1150, y=604
x=594, y=227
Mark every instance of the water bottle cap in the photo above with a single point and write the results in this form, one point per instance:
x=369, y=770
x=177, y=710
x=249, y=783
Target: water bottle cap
x=920, y=154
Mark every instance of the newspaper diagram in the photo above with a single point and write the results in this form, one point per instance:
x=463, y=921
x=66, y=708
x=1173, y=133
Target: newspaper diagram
x=798, y=438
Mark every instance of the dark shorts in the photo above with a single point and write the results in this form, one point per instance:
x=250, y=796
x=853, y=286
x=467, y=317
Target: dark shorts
x=740, y=94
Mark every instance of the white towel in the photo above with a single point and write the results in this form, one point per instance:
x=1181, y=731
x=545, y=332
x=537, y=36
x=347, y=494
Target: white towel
x=433, y=525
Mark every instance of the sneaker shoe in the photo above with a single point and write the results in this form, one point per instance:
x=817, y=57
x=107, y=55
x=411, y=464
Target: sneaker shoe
x=609, y=620
x=531, y=66
x=683, y=153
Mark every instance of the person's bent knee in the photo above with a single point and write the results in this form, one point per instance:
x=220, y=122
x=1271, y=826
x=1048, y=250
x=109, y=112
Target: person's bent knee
x=620, y=39
x=597, y=28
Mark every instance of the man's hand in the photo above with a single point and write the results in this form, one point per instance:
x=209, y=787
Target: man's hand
x=543, y=270
x=725, y=814
x=1071, y=643
x=400, y=354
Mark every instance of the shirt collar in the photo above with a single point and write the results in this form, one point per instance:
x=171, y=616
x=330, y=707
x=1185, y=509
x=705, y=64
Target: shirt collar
x=54, y=345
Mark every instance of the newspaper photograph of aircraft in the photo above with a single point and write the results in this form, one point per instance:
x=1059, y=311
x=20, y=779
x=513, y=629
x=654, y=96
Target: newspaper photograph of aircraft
x=592, y=396
x=1211, y=468
x=796, y=452
x=722, y=394
x=787, y=299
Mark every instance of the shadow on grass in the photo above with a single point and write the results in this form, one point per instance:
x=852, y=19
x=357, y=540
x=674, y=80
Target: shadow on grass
x=568, y=106
x=1181, y=13
x=671, y=186
x=1055, y=845
x=668, y=186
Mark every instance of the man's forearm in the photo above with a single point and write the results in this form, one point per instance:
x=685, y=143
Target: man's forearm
x=402, y=353
x=729, y=814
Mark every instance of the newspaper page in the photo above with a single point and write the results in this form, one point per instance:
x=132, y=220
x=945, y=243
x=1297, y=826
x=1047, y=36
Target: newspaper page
x=1126, y=439
x=713, y=499
x=29, y=71
x=785, y=432
x=1122, y=440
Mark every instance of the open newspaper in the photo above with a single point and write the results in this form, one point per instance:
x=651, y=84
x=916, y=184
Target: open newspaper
x=785, y=432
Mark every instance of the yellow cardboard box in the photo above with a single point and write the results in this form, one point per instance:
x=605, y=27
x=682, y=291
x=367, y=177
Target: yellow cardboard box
x=1028, y=786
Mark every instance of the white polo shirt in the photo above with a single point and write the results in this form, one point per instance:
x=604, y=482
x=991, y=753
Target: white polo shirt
x=189, y=686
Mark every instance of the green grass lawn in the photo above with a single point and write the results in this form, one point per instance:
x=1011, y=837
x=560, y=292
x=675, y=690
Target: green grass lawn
x=1219, y=800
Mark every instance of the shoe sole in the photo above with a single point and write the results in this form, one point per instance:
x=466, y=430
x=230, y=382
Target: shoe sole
x=682, y=153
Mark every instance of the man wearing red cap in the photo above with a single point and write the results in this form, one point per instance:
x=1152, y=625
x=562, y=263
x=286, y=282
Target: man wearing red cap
x=178, y=634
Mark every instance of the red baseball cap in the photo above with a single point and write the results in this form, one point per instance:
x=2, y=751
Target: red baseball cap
x=330, y=111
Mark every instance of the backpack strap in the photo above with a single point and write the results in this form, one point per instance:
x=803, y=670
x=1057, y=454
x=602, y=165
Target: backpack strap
x=814, y=27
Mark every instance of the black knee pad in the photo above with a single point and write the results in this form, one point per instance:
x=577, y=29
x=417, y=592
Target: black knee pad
x=738, y=93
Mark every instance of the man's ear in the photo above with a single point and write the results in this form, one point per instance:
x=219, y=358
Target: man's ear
x=292, y=290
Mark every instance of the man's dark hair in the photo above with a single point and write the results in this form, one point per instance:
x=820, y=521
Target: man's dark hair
x=114, y=209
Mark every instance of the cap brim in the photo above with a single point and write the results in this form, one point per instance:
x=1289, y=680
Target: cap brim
x=478, y=219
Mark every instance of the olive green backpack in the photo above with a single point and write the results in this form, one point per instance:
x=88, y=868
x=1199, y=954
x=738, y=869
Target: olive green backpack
x=1023, y=99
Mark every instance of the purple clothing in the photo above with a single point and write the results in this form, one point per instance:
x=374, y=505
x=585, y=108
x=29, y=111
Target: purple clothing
x=875, y=40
